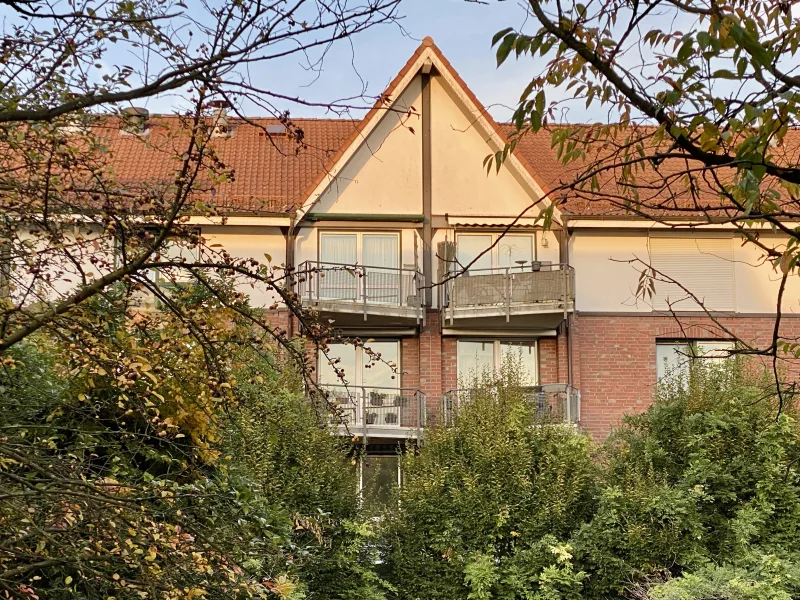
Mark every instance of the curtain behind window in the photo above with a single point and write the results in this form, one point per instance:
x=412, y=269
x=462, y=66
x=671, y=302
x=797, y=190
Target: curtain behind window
x=338, y=284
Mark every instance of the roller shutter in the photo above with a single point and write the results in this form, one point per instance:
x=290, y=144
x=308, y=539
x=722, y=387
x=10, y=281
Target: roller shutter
x=702, y=264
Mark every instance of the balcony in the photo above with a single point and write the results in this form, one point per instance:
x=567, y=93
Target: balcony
x=376, y=411
x=554, y=403
x=541, y=293
x=388, y=296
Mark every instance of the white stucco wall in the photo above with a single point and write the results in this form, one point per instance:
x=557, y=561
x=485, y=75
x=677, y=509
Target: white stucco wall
x=384, y=176
x=60, y=276
x=251, y=242
x=757, y=281
x=459, y=181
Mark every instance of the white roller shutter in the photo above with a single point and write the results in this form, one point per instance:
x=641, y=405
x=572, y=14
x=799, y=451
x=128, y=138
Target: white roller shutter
x=701, y=264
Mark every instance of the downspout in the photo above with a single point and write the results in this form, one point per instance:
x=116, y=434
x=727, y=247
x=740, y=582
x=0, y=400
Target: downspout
x=427, y=209
x=563, y=257
x=290, y=240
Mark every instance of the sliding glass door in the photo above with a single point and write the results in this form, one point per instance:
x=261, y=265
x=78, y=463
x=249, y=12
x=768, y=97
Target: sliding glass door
x=373, y=383
x=378, y=275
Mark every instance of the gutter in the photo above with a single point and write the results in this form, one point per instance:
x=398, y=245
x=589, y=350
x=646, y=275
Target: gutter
x=364, y=217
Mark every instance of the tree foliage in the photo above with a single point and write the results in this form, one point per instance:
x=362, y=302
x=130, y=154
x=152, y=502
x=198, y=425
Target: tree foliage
x=143, y=478
x=703, y=487
x=700, y=113
x=486, y=505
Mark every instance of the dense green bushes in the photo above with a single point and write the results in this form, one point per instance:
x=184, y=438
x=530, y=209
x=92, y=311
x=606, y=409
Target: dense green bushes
x=140, y=475
x=485, y=502
x=704, y=486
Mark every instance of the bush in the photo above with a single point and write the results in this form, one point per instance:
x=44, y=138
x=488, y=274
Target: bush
x=708, y=473
x=763, y=577
x=485, y=503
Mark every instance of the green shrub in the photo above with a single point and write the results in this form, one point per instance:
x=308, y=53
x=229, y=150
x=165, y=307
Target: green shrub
x=764, y=577
x=708, y=473
x=485, y=503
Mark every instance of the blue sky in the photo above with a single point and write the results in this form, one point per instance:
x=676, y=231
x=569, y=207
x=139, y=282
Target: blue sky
x=463, y=30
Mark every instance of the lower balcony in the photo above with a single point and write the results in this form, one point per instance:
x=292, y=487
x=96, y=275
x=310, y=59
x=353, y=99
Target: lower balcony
x=554, y=403
x=528, y=296
x=353, y=294
x=377, y=412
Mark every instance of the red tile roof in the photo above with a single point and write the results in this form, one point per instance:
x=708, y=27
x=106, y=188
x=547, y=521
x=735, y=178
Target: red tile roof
x=277, y=175
x=269, y=175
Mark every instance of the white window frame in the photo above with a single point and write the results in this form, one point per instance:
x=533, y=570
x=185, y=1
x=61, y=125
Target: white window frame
x=357, y=379
x=360, y=243
x=497, y=354
x=495, y=251
x=694, y=352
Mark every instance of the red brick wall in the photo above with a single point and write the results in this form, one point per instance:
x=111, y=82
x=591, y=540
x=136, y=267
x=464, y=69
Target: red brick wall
x=614, y=358
x=548, y=360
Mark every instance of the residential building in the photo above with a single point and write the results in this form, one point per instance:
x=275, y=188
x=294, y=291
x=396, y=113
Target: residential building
x=383, y=223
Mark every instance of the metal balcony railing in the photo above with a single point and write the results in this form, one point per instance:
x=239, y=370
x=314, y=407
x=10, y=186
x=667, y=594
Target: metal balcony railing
x=357, y=407
x=535, y=285
x=555, y=402
x=371, y=288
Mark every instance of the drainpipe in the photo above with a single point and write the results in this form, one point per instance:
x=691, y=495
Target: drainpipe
x=290, y=236
x=427, y=228
x=563, y=257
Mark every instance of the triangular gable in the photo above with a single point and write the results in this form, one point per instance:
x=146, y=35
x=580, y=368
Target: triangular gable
x=426, y=53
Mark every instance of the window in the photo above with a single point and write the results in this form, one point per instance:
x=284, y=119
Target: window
x=701, y=264
x=478, y=357
x=369, y=249
x=372, y=393
x=379, y=476
x=174, y=249
x=357, y=367
x=675, y=359
x=512, y=250
x=380, y=251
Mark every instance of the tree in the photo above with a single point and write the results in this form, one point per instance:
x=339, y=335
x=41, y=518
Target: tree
x=143, y=479
x=702, y=105
x=73, y=227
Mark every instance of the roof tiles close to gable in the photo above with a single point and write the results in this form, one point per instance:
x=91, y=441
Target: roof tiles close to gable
x=269, y=175
x=278, y=175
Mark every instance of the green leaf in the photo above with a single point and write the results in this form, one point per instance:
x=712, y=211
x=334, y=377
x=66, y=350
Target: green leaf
x=505, y=47
x=497, y=36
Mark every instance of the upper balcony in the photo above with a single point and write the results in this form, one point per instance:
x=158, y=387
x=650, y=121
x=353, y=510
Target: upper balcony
x=377, y=411
x=553, y=403
x=385, y=295
x=534, y=295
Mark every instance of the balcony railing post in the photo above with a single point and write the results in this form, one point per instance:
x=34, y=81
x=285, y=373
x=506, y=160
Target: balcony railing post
x=569, y=404
x=508, y=294
x=364, y=291
x=312, y=277
x=361, y=404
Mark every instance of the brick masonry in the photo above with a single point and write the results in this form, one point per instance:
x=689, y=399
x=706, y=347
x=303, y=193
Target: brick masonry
x=613, y=358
